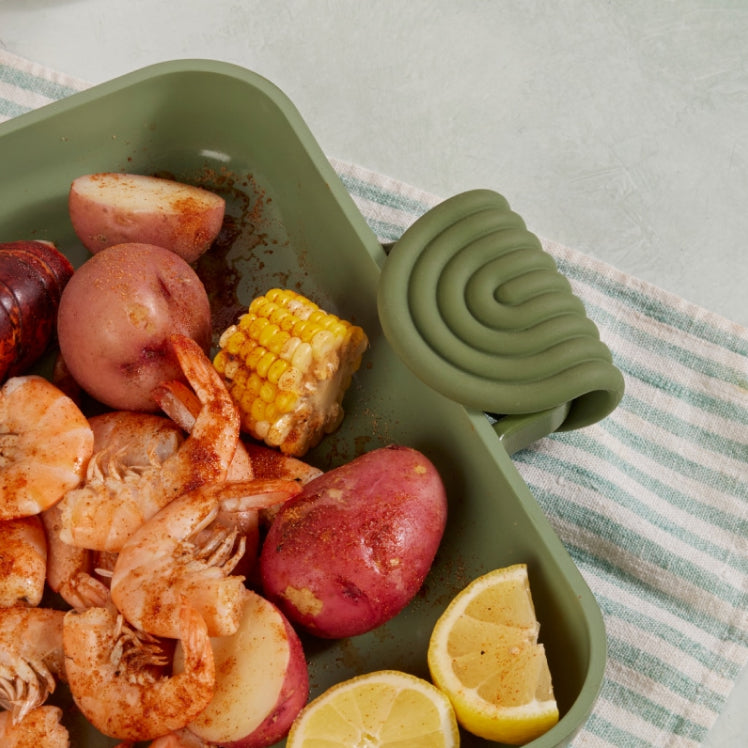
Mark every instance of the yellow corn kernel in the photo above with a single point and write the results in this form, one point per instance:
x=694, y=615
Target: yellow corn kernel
x=264, y=362
x=278, y=341
x=233, y=341
x=220, y=361
x=287, y=364
x=286, y=401
x=277, y=369
x=257, y=410
x=267, y=392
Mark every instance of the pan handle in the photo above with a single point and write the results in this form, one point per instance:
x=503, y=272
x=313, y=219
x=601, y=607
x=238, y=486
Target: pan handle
x=520, y=431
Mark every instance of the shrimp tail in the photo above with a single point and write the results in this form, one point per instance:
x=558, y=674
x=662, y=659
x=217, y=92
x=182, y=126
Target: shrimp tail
x=179, y=402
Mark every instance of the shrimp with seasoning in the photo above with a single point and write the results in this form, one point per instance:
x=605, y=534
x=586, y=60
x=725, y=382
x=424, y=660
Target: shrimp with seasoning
x=116, y=499
x=121, y=679
x=40, y=727
x=184, y=554
x=182, y=406
x=70, y=570
x=251, y=460
x=31, y=657
x=135, y=440
x=23, y=561
x=45, y=445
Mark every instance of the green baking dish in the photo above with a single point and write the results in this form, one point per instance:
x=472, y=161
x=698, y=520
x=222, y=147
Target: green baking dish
x=292, y=223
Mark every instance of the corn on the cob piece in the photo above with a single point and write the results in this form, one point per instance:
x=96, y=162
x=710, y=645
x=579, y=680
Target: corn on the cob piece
x=287, y=364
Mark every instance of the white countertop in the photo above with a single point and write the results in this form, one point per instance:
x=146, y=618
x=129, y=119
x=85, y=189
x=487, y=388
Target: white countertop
x=618, y=129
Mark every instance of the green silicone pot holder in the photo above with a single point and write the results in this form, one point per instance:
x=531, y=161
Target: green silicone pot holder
x=478, y=310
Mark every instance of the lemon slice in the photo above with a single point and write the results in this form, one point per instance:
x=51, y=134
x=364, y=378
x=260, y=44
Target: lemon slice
x=386, y=708
x=484, y=654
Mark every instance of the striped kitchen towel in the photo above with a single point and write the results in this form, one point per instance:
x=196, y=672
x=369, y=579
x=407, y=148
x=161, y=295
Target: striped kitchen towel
x=652, y=502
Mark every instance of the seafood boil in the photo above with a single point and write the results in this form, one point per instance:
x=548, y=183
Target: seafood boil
x=131, y=537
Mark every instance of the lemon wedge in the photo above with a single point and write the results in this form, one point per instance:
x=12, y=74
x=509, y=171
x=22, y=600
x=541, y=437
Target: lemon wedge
x=484, y=654
x=376, y=710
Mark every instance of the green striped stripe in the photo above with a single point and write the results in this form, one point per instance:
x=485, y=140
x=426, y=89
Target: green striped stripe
x=593, y=565
x=655, y=714
x=699, y=652
x=645, y=548
x=606, y=730
x=11, y=109
x=655, y=309
x=690, y=359
x=34, y=83
x=662, y=672
x=631, y=701
x=381, y=196
x=708, y=440
x=731, y=522
x=385, y=231
x=618, y=497
x=557, y=509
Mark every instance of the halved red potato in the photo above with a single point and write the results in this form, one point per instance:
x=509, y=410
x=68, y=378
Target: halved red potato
x=111, y=208
x=262, y=681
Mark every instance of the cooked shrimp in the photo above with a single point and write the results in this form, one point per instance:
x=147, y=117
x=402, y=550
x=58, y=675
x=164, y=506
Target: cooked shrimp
x=121, y=679
x=115, y=501
x=23, y=561
x=45, y=445
x=184, y=554
x=70, y=570
x=135, y=440
x=129, y=449
x=182, y=406
x=30, y=657
x=251, y=460
x=40, y=727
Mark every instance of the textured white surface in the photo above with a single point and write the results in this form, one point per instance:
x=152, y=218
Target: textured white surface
x=617, y=128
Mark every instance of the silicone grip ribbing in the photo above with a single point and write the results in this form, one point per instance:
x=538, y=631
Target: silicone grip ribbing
x=475, y=306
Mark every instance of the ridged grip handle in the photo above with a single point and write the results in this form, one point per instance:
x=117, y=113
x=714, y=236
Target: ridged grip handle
x=474, y=305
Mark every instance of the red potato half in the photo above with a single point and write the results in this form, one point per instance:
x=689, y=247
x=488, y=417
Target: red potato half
x=354, y=547
x=111, y=208
x=262, y=681
x=115, y=317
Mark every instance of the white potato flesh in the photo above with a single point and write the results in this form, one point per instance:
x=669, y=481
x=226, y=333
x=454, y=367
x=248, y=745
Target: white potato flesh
x=262, y=681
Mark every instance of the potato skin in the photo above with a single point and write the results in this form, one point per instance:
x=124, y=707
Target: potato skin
x=354, y=547
x=248, y=666
x=116, y=314
x=112, y=208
